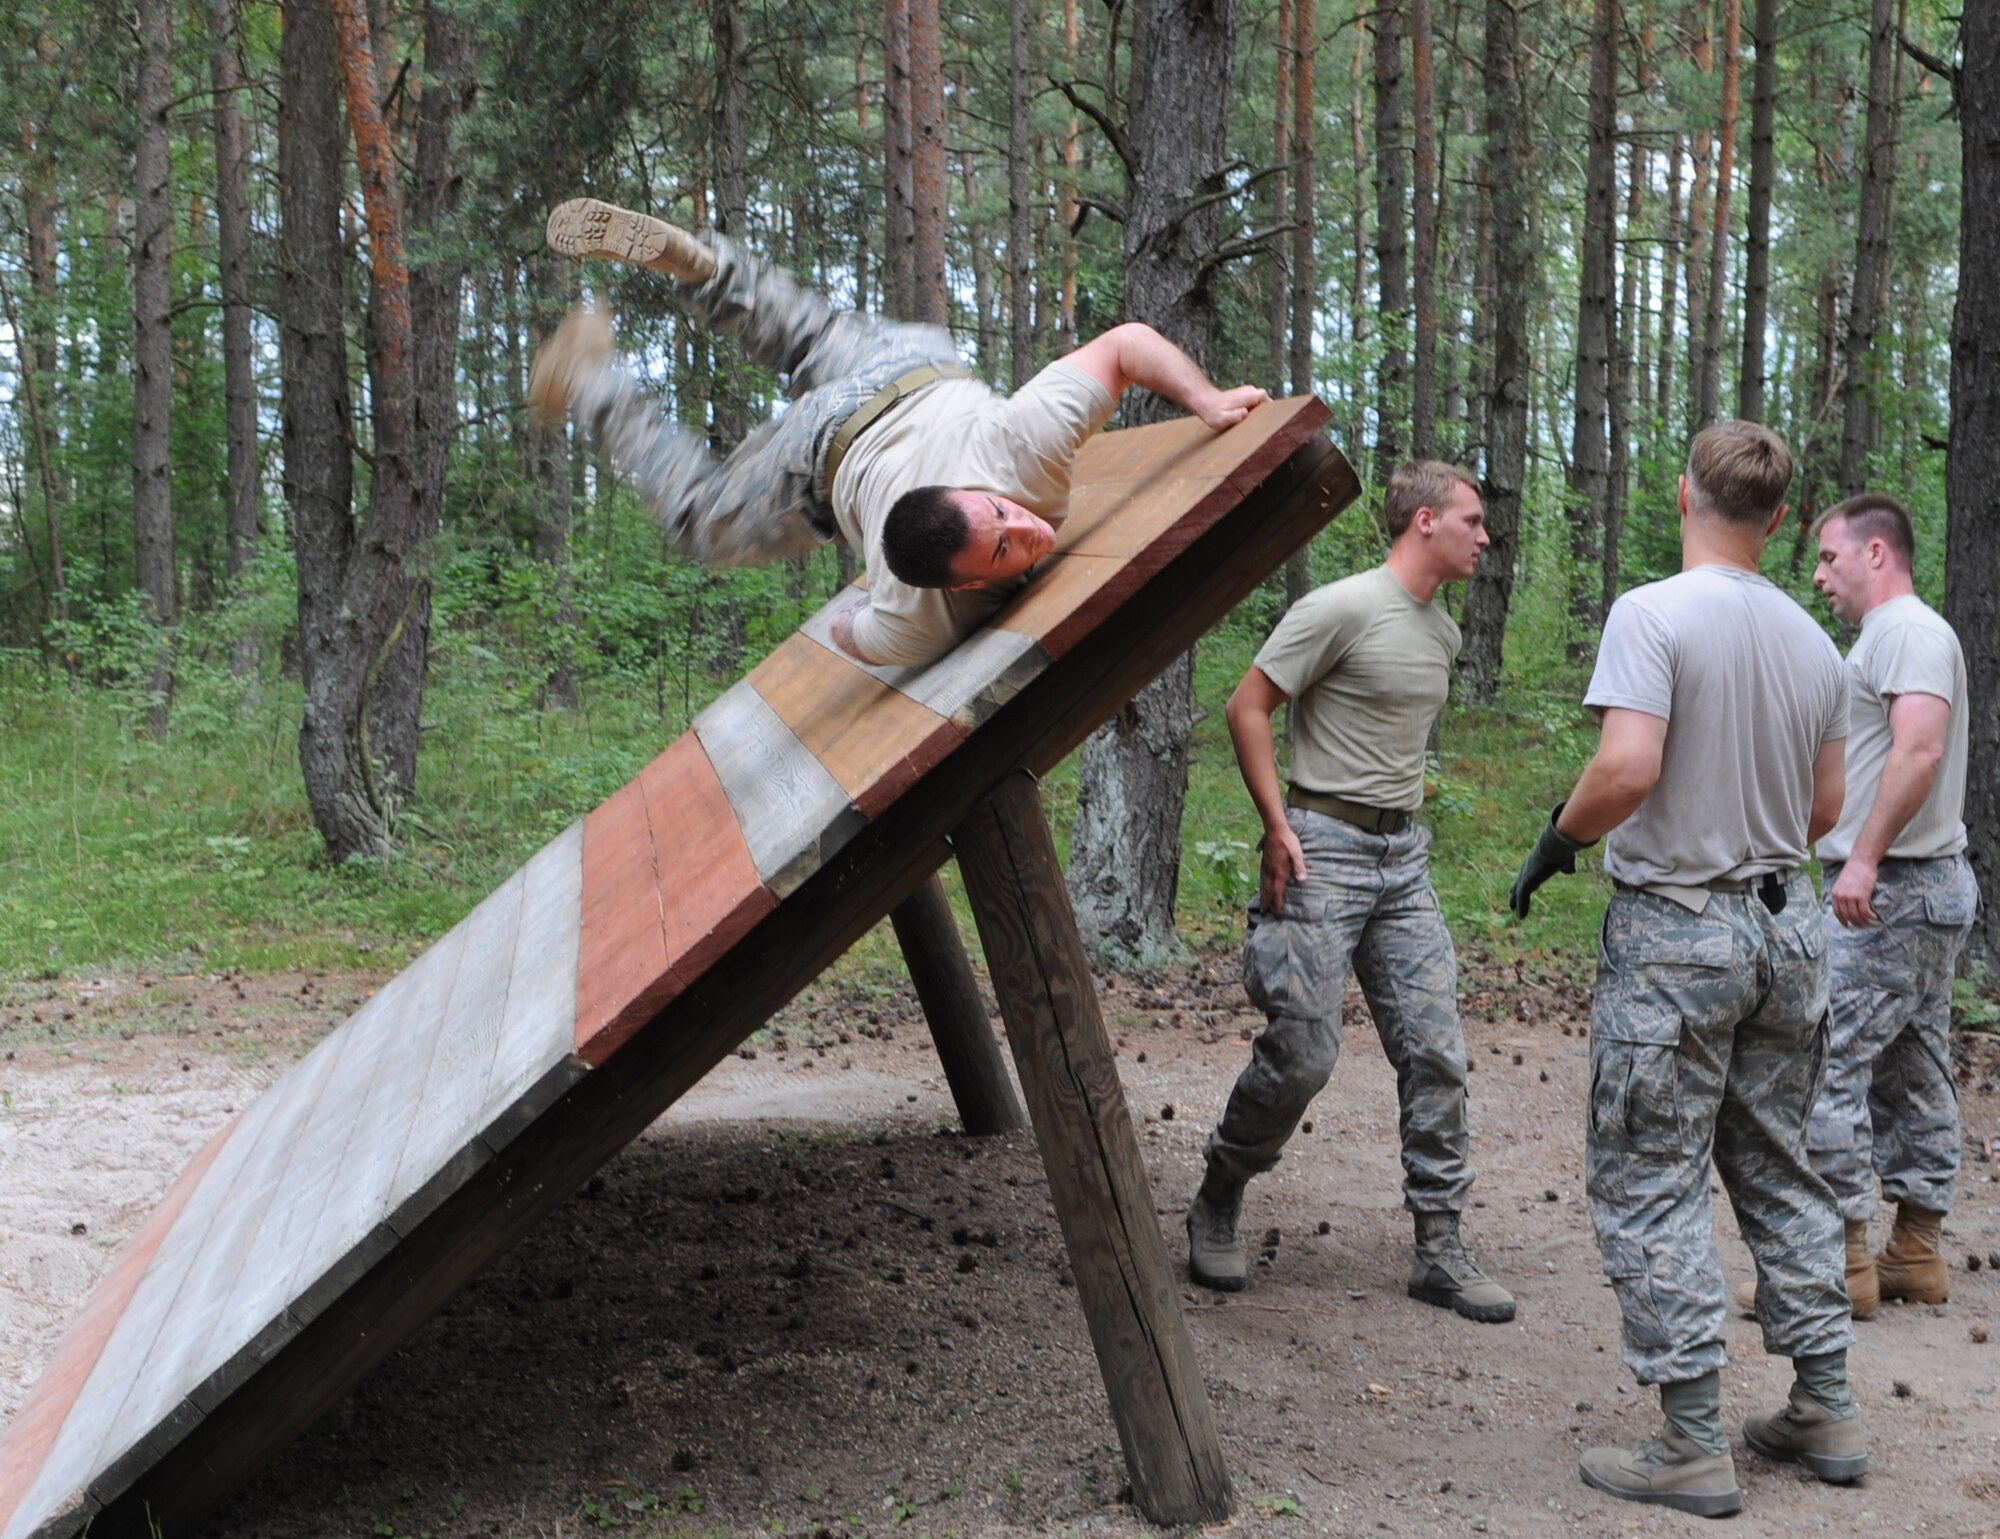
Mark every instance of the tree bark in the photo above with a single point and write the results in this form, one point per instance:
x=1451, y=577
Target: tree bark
x=1491, y=590
x=930, y=300
x=1757, y=248
x=1708, y=395
x=1392, y=272
x=729, y=35
x=1424, y=220
x=899, y=268
x=1020, y=270
x=1277, y=206
x=1594, y=332
x=1618, y=469
x=1124, y=866
x=1972, y=464
x=1305, y=257
x=152, y=350
x=1873, y=231
x=1671, y=242
x=232, y=218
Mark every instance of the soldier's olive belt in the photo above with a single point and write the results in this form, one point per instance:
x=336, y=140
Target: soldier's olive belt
x=869, y=411
x=1376, y=820
x=1770, y=890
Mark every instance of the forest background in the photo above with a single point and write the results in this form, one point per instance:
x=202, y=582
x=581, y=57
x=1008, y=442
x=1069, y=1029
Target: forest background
x=308, y=635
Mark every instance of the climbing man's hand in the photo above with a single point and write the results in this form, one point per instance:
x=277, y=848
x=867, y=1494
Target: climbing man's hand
x=1554, y=852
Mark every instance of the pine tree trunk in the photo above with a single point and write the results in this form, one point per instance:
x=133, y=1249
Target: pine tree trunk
x=1757, y=249
x=1424, y=210
x=239, y=390
x=1594, y=332
x=1972, y=465
x=1618, y=472
x=1708, y=397
x=1873, y=231
x=1491, y=590
x=899, y=245
x=1277, y=206
x=1671, y=243
x=1124, y=865
x=729, y=36
x=152, y=348
x=1392, y=251
x=1357, y=290
x=1305, y=256
x=930, y=299
x=1020, y=269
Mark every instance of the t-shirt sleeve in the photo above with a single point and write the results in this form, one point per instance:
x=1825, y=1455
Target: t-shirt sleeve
x=1040, y=429
x=1309, y=640
x=1914, y=660
x=1837, y=711
x=1635, y=663
x=919, y=626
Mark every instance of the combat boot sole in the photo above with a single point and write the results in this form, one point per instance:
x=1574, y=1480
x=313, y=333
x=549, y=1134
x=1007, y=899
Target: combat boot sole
x=1925, y=1282
x=1834, y=1469
x=585, y=227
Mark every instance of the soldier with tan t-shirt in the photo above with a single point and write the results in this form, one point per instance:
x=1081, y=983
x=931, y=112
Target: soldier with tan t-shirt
x=1364, y=664
x=949, y=492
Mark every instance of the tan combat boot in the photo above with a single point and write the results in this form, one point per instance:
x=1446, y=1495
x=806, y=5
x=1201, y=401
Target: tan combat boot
x=1864, y=1288
x=1803, y=1431
x=1671, y=1470
x=581, y=343
x=1911, y=1267
x=584, y=227
x=1215, y=1251
x=1443, y=1274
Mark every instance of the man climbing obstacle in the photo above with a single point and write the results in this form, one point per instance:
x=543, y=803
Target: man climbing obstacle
x=948, y=491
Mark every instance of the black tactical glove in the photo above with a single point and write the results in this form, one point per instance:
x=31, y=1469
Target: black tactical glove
x=1554, y=851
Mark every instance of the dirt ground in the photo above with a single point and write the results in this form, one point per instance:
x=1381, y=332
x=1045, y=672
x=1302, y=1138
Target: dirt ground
x=803, y=1304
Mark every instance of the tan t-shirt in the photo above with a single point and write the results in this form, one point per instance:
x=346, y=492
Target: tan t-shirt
x=1368, y=669
x=1905, y=648
x=1750, y=688
x=958, y=433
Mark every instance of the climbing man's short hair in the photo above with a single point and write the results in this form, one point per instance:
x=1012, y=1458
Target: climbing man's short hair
x=1738, y=471
x=924, y=532
x=1875, y=516
x=1420, y=484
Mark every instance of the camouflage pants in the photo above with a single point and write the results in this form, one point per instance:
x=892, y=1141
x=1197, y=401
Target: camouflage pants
x=768, y=500
x=1707, y=1036
x=1368, y=900
x=1888, y=1107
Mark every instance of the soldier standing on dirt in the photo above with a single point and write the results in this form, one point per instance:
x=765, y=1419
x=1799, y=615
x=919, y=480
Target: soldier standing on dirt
x=1904, y=895
x=948, y=499
x=1365, y=664
x=1724, y=714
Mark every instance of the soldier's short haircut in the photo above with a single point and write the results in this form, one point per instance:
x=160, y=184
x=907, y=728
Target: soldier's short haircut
x=1738, y=471
x=1420, y=484
x=925, y=530
x=1875, y=516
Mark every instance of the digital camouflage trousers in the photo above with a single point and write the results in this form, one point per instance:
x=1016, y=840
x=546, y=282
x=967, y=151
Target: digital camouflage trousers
x=1888, y=1107
x=768, y=499
x=1367, y=900
x=1707, y=1037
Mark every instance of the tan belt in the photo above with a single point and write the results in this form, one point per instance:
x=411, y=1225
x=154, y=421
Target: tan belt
x=899, y=389
x=1376, y=820
x=1695, y=899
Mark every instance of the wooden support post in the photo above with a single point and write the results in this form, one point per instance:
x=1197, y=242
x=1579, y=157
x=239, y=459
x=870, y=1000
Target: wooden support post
x=966, y=1046
x=1096, y=1175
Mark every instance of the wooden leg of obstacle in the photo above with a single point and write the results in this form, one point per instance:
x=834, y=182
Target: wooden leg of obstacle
x=1096, y=1175
x=966, y=1045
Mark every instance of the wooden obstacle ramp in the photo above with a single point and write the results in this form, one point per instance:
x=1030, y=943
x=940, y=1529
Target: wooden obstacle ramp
x=487, y=1081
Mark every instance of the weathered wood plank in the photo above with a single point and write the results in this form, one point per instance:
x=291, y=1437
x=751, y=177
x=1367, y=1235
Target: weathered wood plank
x=934, y=952
x=874, y=740
x=792, y=812
x=540, y=1025
x=1097, y=1175
x=622, y=951
x=966, y=686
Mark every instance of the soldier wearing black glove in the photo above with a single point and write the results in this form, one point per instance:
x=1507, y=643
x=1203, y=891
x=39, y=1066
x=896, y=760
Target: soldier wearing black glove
x=1554, y=852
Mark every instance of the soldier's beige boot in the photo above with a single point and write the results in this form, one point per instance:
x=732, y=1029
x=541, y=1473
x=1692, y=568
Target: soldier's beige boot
x=1671, y=1470
x=1744, y=1297
x=1443, y=1274
x=581, y=343
x=1835, y=1448
x=1864, y=1287
x=584, y=227
x=1911, y=1266
x=1215, y=1251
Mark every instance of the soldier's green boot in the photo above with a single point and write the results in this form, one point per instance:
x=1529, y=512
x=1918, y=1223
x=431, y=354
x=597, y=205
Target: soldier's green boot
x=1215, y=1252
x=1818, y=1427
x=1443, y=1274
x=1687, y=1467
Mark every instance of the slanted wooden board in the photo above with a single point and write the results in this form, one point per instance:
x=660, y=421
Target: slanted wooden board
x=480, y=1087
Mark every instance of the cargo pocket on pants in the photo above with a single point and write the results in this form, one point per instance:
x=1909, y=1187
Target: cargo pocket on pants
x=1635, y=1078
